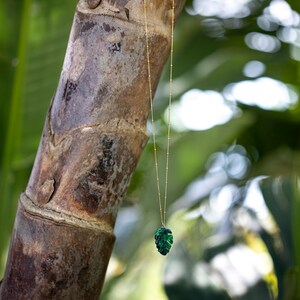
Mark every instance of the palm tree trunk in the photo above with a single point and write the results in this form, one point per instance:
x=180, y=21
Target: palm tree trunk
x=93, y=137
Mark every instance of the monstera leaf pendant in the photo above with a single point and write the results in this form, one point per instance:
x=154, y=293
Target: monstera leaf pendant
x=163, y=240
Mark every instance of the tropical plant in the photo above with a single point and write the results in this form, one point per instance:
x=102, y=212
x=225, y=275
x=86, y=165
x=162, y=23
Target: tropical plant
x=234, y=187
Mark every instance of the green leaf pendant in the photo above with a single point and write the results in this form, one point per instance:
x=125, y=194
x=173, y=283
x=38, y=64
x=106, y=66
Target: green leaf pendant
x=163, y=240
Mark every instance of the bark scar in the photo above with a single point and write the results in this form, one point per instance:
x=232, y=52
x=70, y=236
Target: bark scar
x=46, y=191
x=62, y=218
x=92, y=4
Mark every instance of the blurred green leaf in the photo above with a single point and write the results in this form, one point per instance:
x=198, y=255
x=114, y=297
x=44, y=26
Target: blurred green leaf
x=33, y=42
x=291, y=284
x=282, y=198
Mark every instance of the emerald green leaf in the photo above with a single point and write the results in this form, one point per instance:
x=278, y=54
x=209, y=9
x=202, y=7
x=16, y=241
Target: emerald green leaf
x=163, y=240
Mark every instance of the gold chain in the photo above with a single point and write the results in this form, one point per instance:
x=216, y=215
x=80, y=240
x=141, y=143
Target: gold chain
x=162, y=208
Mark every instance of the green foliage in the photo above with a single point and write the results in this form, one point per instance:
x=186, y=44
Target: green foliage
x=33, y=39
x=210, y=54
x=282, y=198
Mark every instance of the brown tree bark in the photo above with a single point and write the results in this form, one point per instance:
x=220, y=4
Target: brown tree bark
x=93, y=137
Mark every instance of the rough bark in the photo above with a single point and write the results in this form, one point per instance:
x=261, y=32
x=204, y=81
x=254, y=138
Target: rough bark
x=93, y=137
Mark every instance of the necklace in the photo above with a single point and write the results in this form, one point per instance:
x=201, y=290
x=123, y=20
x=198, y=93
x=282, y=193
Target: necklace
x=163, y=236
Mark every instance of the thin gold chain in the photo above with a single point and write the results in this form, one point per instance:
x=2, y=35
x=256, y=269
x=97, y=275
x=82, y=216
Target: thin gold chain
x=152, y=114
x=162, y=208
x=169, y=108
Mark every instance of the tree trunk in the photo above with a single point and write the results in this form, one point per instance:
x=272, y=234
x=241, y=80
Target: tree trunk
x=93, y=137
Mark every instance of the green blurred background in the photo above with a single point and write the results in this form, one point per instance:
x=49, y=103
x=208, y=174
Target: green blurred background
x=234, y=200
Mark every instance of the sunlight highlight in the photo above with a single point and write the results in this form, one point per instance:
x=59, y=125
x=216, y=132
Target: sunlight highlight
x=200, y=110
x=222, y=8
x=254, y=69
x=282, y=13
x=262, y=42
x=264, y=92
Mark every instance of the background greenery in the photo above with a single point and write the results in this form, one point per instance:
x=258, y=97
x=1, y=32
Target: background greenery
x=217, y=250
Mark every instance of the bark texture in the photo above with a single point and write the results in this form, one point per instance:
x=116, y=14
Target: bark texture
x=93, y=137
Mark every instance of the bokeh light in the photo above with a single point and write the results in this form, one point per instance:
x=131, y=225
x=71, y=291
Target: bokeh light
x=254, y=69
x=264, y=92
x=201, y=110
